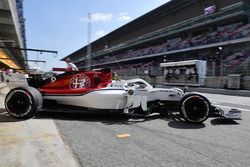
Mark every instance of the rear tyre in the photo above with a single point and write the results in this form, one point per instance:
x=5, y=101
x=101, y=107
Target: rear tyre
x=195, y=107
x=23, y=102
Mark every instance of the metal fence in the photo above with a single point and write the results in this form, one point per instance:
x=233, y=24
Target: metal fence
x=236, y=66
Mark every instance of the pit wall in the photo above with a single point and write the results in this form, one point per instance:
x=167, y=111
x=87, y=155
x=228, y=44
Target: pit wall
x=211, y=82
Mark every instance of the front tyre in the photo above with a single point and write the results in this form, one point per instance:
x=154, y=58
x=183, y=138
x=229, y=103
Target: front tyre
x=195, y=107
x=23, y=102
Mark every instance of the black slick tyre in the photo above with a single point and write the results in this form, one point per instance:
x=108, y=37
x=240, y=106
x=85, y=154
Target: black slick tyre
x=195, y=108
x=23, y=102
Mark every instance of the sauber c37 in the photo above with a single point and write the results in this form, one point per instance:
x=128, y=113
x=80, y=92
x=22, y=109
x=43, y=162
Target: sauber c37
x=95, y=90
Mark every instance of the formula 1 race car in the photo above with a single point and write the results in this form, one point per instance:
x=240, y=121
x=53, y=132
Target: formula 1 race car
x=95, y=90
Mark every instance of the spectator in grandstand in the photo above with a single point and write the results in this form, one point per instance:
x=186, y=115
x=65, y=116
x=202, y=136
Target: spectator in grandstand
x=70, y=66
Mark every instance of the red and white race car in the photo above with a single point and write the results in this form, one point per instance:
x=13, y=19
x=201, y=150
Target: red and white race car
x=79, y=90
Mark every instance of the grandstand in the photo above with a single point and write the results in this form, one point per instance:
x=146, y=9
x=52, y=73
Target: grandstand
x=215, y=31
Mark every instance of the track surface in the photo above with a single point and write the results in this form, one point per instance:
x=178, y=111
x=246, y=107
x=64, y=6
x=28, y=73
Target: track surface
x=158, y=141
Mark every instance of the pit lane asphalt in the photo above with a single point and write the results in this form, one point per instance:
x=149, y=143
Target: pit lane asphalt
x=158, y=141
x=33, y=142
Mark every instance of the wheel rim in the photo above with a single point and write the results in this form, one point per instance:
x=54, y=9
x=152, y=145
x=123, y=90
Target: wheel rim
x=19, y=103
x=195, y=109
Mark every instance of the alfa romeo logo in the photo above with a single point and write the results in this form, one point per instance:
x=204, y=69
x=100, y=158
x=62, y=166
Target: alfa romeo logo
x=79, y=81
